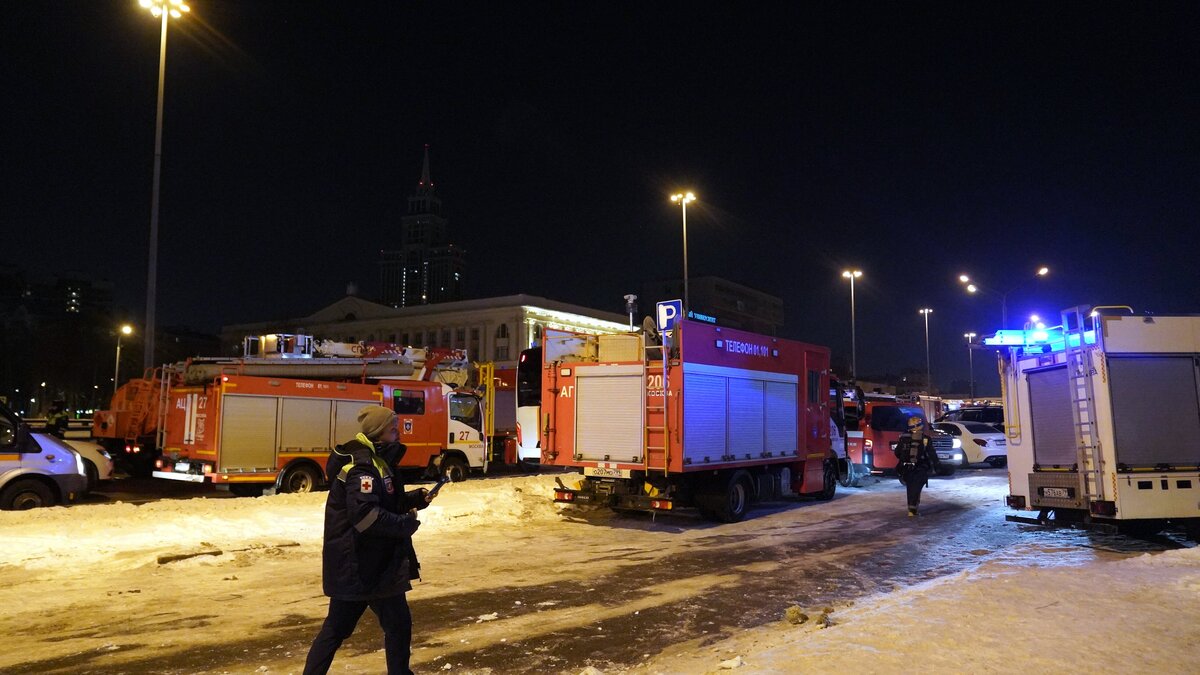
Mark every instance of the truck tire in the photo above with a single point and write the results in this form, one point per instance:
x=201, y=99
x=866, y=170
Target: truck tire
x=300, y=479
x=829, y=488
x=732, y=502
x=455, y=469
x=24, y=494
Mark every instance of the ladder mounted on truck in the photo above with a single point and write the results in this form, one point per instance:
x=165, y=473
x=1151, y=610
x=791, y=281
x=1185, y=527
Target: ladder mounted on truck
x=1081, y=370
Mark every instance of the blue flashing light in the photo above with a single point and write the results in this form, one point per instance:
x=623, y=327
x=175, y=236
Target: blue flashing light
x=1040, y=341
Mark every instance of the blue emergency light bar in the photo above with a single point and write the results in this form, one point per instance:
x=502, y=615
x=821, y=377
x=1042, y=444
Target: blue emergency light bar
x=1043, y=340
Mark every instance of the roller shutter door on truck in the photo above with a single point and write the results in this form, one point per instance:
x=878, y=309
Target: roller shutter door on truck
x=248, y=425
x=1053, y=422
x=1156, y=410
x=704, y=418
x=610, y=403
x=305, y=426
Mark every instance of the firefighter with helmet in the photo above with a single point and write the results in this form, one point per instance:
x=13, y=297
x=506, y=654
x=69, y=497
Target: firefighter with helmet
x=915, y=459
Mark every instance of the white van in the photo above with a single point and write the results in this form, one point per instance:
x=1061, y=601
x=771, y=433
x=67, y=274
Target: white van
x=36, y=469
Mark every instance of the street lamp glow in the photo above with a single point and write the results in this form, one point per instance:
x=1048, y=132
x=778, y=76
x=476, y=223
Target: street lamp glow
x=852, y=275
x=1034, y=318
x=969, y=336
x=925, y=311
x=126, y=330
x=173, y=8
x=963, y=278
x=1043, y=271
x=971, y=288
x=683, y=200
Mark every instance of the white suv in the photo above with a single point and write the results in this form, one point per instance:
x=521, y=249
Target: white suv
x=36, y=469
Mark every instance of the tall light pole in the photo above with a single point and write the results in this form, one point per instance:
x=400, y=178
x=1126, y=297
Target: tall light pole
x=971, y=362
x=928, y=378
x=975, y=288
x=852, y=275
x=165, y=10
x=683, y=200
x=125, y=330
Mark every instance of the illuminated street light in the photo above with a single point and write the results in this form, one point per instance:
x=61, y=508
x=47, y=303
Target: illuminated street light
x=125, y=330
x=971, y=361
x=164, y=9
x=928, y=378
x=974, y=288
x=683, y=200
x=852, y=275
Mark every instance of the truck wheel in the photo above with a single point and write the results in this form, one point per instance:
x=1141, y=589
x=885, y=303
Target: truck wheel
x=300, y=479
x=24, y=494
x=734, y=501
x=93, y=475
x=454, y=469
x=829, y=488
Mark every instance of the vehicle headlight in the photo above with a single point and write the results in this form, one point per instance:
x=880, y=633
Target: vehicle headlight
x=956, y=443
x=958, y=455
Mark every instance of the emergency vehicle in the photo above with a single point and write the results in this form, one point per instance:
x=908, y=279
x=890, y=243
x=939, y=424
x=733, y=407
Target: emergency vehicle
x=1103, y=419
x=269, y=420
x=724, y=418
x=871, y=439
x=36, y=469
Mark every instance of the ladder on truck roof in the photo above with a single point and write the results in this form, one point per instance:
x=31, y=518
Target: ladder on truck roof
x=1081, y=370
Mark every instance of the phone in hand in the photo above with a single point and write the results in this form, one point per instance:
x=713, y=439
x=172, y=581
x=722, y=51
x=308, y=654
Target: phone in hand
x=442, y=480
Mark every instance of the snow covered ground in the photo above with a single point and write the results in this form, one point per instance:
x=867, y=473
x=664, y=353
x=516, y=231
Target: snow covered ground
x=515, y=584
x=1140, y=615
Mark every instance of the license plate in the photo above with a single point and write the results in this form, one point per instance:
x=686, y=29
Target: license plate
x=603, y=472
x=945, y=455
x=1056, y=493
x=182, y=467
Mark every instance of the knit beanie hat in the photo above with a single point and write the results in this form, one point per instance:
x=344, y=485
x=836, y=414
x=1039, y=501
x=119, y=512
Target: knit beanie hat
x=374, y=420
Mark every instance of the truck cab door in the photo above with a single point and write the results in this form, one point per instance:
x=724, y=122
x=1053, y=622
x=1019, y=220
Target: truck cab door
x=466, y=427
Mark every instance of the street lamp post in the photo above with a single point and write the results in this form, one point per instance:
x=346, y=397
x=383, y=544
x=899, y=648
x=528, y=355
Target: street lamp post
x=975, y=288
x=125, y=330
x=852, y=275
x=683, y=200
x=971, y=362
x=165, y=10
x=928, y=378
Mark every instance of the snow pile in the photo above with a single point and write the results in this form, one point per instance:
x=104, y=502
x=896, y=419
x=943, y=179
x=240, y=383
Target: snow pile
x=474, y=503
x=126, y=536
x=1136, y=615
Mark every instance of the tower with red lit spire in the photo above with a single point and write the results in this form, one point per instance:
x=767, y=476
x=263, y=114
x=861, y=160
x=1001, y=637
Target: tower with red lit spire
x=426, y=267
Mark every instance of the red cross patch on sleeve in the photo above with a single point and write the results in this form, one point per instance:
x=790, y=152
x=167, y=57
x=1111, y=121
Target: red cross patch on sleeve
x=366, y=484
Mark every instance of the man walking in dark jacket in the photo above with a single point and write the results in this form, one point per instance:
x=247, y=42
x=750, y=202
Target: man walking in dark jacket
x=368, y=557
x=915, y=458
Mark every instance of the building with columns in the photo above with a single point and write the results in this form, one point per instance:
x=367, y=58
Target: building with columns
x=490, y=329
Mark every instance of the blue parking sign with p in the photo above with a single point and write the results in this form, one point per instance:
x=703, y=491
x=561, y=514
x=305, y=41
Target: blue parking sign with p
x=669, y=312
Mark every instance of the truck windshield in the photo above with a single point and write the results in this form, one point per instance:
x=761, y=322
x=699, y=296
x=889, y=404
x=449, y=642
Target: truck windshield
x=894, y=417
x=529, y=378
x=465, y=408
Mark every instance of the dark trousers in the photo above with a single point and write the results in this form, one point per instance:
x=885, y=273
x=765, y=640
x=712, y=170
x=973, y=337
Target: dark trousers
x=394, y=619
x=915, y=481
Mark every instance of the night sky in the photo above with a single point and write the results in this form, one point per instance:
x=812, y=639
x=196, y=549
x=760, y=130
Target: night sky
x=913, y=141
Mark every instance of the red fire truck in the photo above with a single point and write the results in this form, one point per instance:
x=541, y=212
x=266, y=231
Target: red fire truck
x=871, y=439
x=269, y=421
x=732, y=418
